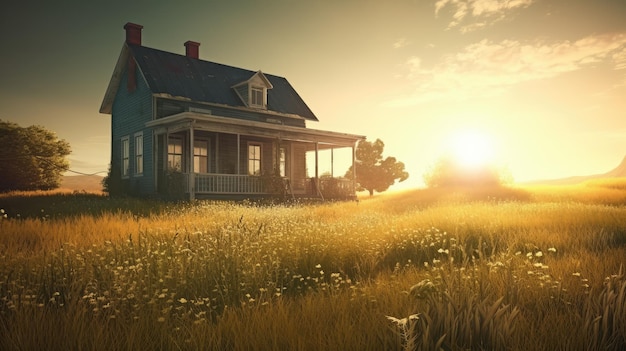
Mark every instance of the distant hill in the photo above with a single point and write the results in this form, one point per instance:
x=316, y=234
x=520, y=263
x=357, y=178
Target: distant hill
x=88, y=183
x=617, y=172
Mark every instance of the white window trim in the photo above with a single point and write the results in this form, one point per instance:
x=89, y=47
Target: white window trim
x=136, y=168
x=182, y=153
x=260, y=145
x=208, y=153
x=282, y=163
x=263, y=90
x=125, y=149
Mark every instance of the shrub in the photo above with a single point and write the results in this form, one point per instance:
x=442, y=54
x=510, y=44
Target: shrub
x=447, y=173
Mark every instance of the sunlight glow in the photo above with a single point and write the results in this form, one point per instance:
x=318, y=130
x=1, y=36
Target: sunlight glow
x=472, y=148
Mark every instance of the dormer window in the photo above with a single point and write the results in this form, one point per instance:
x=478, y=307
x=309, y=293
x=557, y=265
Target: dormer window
x=253, y=92
x=257, y=97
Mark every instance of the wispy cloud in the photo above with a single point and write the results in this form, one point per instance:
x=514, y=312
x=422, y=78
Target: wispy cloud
x=486, y=68
x=400, y=43
x=479, y=13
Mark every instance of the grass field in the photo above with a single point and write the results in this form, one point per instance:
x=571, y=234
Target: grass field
x=528, y=268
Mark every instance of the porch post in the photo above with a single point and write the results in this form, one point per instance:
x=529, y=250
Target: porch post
x=332, y=162
x=354, y=168
x=238, y=152
x=192, y=181
x=317, y=176
x=216, y=153
x=165, y=155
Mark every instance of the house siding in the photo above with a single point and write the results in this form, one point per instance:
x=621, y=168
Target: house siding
x=130, y=111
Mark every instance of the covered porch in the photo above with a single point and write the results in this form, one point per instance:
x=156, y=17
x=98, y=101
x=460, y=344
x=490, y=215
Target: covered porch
x=199, y=155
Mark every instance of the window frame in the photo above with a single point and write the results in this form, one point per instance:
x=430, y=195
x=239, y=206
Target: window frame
x=254, y=90
x=196, y=156
x=282, y=161
x=139, y=146
x=255, y=161
x=125, y=156
x=173, y=153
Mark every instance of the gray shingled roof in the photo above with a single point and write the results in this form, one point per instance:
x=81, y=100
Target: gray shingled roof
x=204, y=81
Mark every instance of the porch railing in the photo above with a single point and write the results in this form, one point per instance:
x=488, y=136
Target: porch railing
x=228, y=184
x=210, y=183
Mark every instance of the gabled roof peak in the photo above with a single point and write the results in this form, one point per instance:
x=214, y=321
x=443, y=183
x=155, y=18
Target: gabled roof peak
x=256, y=77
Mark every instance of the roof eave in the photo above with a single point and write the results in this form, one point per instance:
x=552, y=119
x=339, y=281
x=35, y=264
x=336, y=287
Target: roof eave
x=241, y=108
x=337, y=138
x=109, y=96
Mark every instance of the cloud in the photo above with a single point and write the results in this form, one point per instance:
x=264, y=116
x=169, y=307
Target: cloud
x=400, y=43
x=481, y=12
x=486, y=68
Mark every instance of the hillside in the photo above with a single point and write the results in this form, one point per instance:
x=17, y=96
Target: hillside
x=617, y=172
x=82, y=183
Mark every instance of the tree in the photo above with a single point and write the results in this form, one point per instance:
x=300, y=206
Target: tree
x=31, y=158
x=372, y=172
x=448, y=173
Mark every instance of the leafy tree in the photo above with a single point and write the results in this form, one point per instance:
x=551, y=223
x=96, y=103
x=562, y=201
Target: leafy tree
x=448, y=173
x=373, y=173
x=31, y=158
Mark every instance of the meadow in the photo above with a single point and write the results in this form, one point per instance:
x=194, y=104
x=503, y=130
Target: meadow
x=523, y=268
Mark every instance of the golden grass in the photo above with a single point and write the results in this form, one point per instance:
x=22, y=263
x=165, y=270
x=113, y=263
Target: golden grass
x=96, y=273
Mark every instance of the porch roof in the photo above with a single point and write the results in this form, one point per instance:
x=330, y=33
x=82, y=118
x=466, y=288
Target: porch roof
x=200, y=121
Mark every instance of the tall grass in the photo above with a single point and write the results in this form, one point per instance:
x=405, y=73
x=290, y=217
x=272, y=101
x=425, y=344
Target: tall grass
x=518, y=269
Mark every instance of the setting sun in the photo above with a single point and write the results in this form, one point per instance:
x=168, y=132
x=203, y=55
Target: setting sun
x=472, y=148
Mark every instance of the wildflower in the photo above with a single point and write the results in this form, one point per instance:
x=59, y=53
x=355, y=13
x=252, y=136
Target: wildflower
x=318, y=266
x=576, y=274
x=539, y=254
x=552, y=249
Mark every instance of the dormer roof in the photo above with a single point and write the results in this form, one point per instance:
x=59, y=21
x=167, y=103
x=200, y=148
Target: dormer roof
x=259, y=79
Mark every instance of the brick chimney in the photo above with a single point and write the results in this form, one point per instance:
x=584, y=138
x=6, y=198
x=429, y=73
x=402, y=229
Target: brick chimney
x=192, y=49
x=133, y=33
x=133, y=36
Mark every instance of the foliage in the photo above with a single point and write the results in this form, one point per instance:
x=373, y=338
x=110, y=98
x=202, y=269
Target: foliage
x=274, y=184
x=93, y=272
x=373, y=173
x=31, y=158
x=335, y=188
x=448, y=173
x=113, y=184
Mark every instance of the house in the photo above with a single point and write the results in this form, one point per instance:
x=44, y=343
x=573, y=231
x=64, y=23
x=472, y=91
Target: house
x=188, y=128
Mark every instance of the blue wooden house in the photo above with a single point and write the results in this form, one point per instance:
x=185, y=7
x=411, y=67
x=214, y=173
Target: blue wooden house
x=189, y=128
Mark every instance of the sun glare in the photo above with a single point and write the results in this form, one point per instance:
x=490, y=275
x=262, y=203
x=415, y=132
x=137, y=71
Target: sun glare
x=472, y=148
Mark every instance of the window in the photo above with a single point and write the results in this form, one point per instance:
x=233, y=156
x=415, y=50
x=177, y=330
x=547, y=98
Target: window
x=175, y=154
x=282, y=162
x=256, y=97
x=138, y=153
x=254, y=159
x=125, y=156
x=201, y=156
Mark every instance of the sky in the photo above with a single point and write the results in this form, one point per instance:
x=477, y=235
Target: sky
x=542, y=81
